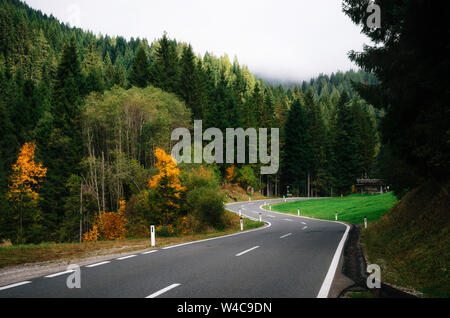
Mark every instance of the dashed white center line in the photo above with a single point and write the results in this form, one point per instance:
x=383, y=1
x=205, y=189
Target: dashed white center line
x=287, y=220
x=289, y=234
x=270, y=216
x=305, y=228
x=59, y=274
x=126, y=257
x=98, y=264
x=249, y=250
x=303, y=223
x=162, y=291
x=148, y=252
x=14, y=285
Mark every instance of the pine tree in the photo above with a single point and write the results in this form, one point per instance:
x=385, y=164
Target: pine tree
x=347, y=163
x=139, y=74
x=296, y=155
x=164, y=69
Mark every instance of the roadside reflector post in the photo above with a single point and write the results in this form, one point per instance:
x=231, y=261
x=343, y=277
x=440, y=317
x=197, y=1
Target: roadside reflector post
x=242, y=224
x=298, y=212
x=336, y=216
x=152, y=231
x=260, y=217
x=249, y=199
x=365, y=222
x=270, y=207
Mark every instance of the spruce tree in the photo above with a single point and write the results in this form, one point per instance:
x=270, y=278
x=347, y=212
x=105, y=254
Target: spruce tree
x=139, y=74
x=297, y=151
x=164, y=69
x=347, y=159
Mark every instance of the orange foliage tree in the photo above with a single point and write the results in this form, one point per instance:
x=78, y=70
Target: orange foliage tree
x=108, y=226
x=166, y=189
x=24, y=182
x=230, y=174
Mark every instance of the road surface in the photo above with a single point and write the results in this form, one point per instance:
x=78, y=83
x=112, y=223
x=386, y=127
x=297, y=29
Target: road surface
x=290, y=257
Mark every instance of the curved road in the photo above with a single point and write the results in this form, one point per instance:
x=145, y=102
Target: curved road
x=289, y=258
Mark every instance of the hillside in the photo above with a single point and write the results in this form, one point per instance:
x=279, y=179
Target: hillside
x=411, y=242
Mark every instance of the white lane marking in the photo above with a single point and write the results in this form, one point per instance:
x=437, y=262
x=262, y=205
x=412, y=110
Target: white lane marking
x=125, y=257
x=303, y=223
x=249, y=250
x=304, y=228
x=148, y=252
x=162, y=291
x=270, y=216
x=219, y=237
x=289, y=234
x=14, y=285
x=98, y=264
x=325, y=289
x=287, y=220
x=59, y=274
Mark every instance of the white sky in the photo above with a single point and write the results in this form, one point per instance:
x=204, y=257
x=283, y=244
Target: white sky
x=282, y=39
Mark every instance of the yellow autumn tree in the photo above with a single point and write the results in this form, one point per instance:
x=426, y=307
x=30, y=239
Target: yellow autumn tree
x=24, y=182
x=230, y=174
x=166, y=189
x=108, y=226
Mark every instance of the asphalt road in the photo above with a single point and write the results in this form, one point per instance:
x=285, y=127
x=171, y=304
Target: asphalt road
x=291, y=257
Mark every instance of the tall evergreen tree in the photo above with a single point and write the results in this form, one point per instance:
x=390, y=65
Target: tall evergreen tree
x=139, y=74
x=347, y=159
x=164, y=69
x=297, y=151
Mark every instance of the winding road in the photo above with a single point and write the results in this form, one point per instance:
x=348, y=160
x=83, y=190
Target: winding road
x=290, y=257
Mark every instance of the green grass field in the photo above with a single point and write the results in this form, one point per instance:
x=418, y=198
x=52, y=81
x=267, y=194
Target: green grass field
x=350, y=209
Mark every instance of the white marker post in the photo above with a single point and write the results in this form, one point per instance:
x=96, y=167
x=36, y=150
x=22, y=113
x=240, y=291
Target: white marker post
x=260, y=217
x=270, y=207
x=365, y=222
x=298, y=212
x=242, y=224
x=152, y=231
x=336, y=216
x=249, y=199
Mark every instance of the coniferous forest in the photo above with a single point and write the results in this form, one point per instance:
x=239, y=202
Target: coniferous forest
x=88, y=115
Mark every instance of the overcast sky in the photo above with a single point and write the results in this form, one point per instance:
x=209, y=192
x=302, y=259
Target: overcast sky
x=282, y=39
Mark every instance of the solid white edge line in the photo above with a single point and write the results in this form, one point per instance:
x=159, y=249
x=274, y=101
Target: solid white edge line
x=15, y=285
x=125, y=257
x=304, y=228
x=59, y=274
x=98, y=264
x=249, y=250
x=148, y=252
x=162, y=291
x=325, y=289
x=289, y=234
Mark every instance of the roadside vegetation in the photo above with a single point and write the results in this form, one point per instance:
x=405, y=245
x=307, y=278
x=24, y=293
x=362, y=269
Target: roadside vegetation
x=350, y=209
x=12, y=255
x=411, y=242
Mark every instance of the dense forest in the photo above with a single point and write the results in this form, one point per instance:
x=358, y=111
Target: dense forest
x=96, y=112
